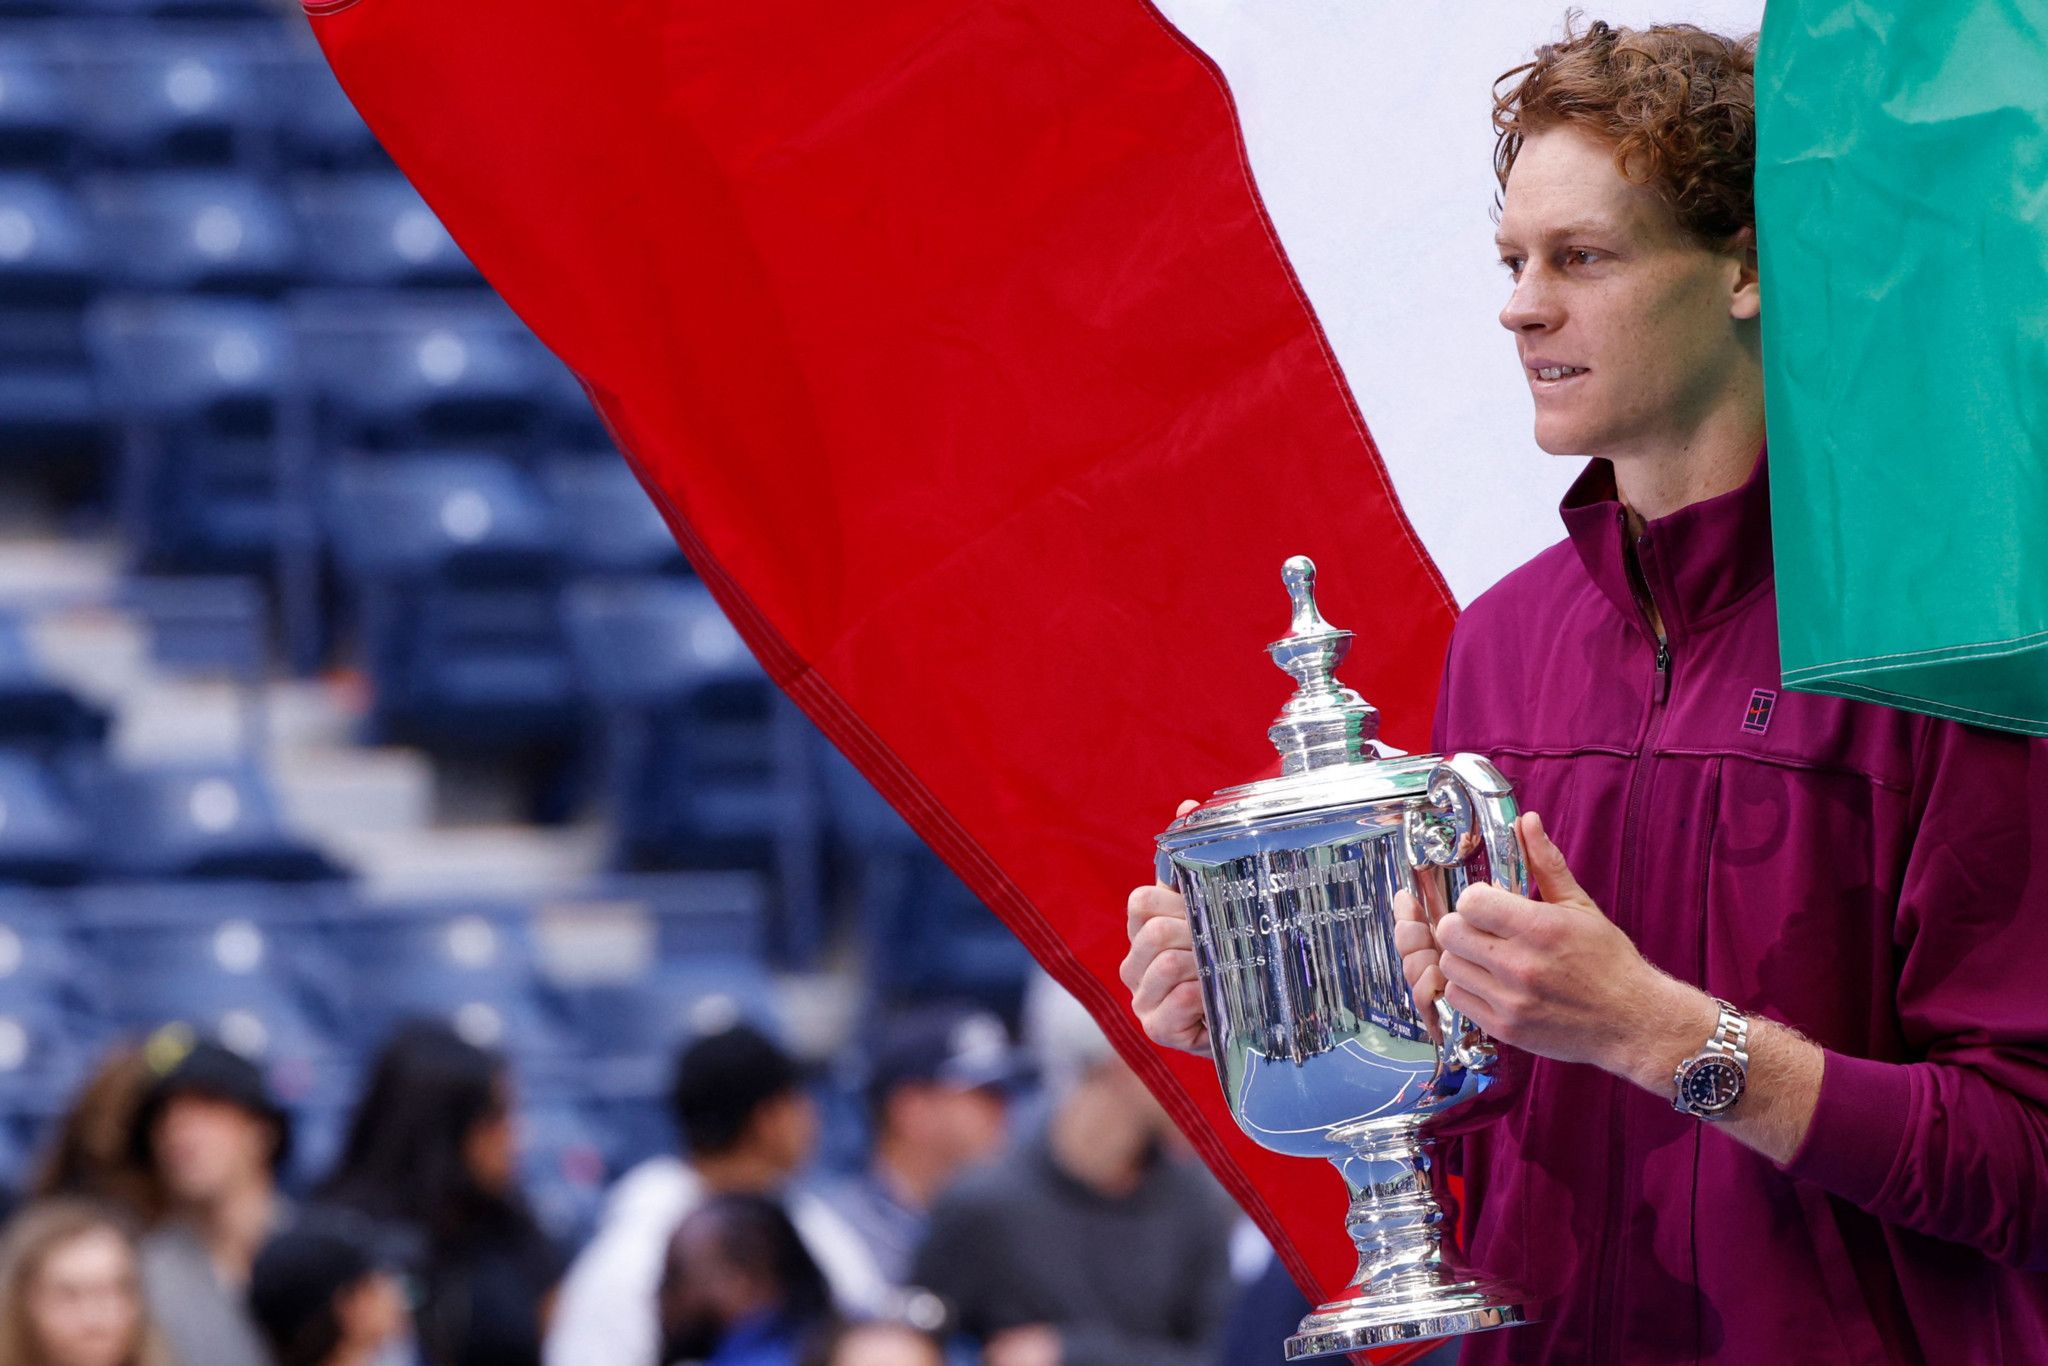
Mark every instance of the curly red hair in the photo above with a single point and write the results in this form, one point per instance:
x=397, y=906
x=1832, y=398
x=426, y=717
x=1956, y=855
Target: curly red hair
x=1678, y=104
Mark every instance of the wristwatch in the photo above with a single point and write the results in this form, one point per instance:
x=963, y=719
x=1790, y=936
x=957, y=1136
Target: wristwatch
x=1707, y=1084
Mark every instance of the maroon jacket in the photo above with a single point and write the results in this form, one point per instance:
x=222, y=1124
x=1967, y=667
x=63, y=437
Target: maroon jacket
x=1875, y=879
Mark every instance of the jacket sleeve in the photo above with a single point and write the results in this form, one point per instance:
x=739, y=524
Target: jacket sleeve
x=1953, y=1141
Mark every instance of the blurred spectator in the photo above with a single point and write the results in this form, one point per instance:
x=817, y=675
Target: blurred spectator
x=879, y=1344
x=1093, y=1244
x=325, y=1294
x=214, y=1138
x=70, y=1293
x=431, y=1150
x=938, y=1094
x=93, y=1153
x=738, y=1288
x=740, y=1107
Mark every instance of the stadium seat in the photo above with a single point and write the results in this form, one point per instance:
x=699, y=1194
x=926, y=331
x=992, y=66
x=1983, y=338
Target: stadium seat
x=609, y=522
x=195, y=821
x=170, y=94
x=37, y=709
x=375, y=230
x=38, y=119
x=43, y=835
x=218, y=957
x=452, y=562
x=317, y=125
x=563, y=1163
x=195, y=230
x=705, y=762
x=213, y=457
x=468, y=963
x=925, y=932
x=48, y=267
x=649, y=1017
x=398, y=371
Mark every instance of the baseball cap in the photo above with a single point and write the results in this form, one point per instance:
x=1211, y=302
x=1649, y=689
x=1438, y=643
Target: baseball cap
x=961, y=1047
x=187, y=1065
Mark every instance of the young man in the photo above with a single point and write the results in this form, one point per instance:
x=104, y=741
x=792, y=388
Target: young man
x=1828, y=917
x=1094, y=1243
x=938, y=1093
x=214, y=1137
x=748, y=1127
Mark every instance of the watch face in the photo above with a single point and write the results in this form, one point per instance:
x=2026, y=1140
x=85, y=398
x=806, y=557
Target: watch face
x=1711, y=1085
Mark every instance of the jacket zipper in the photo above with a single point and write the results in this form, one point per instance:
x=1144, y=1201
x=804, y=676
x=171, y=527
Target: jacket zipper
x=1606, y=1299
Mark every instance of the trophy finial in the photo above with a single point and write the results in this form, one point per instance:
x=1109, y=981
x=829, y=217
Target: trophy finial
x=1324, y=722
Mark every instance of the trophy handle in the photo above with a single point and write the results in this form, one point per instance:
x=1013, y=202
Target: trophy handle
x=1471, y=799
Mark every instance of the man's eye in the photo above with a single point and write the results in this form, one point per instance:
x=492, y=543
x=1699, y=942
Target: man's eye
x=1580, y=256
x=1511, y=264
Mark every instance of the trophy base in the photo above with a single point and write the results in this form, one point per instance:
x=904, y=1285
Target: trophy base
x=1441, y=1311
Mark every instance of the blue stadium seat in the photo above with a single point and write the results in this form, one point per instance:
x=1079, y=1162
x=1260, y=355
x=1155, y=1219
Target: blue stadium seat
x=49, y=408
x=214, y=458
x=608, y=520
x=452, y=561
x=469, y=963
x=317, y=125
x=218, y=957
x=466, y=515
x=36, y=708
x=38, y=115
x=375, y=230
x=706, y=763
x=195, y=230
x=926, y=933
x=43, y=835
x=196, y=821
x=563, y=1165
x=167, y=95
x=398, y=371
x=649, y=1017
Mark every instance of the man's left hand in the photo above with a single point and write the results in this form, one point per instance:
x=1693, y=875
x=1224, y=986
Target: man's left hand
x=1554, y=977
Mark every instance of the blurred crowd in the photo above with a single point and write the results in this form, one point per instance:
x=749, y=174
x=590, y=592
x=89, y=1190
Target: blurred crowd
x=1019, y=1205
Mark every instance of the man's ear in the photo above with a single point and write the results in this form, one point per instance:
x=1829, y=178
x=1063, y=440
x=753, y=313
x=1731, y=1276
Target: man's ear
x=1745, y=300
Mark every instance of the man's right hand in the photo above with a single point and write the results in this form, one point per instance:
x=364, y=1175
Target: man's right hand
x=1160, y=968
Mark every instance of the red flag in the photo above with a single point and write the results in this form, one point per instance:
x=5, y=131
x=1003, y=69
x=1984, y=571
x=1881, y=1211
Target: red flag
x=958, y=348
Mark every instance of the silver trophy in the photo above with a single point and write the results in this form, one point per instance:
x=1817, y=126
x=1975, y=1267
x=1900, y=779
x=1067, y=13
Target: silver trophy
x=1290, y=886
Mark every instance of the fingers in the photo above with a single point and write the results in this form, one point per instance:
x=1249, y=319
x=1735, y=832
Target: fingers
x=1152, y=903
x=1490, y=910
x=1167, y=974
x=1158, y=935
x=1411, y=939
x=1185, y=807
x=1547, y=866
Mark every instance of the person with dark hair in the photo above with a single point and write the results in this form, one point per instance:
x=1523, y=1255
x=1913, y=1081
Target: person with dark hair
x=1777, y=1059
x=70, y=1291
x=323, y=1296
x=738, y=1287
x=214, y=1138
x=747, y=1126
x=937, y=1093
x=93, y=1152
x=430, y=1150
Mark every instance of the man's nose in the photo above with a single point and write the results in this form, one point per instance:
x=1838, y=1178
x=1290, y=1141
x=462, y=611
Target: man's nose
x=1532, y=306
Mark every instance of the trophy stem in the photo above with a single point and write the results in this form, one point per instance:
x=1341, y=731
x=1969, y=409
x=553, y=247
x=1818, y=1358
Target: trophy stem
x=1408, y=1288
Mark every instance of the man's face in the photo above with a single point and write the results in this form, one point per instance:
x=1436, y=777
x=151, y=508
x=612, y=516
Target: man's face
x=1659, y=330
x=206, y=1147
x=946, y=1128
x=85, y=1304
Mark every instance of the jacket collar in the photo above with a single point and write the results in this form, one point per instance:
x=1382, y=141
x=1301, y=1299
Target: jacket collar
x=1697, y=561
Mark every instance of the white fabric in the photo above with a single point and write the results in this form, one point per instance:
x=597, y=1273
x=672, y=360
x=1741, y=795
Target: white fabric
x=1369, y=131
x=606, y=1314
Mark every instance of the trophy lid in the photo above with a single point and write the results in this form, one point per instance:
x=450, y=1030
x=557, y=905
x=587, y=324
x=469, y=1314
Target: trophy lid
x=1327, y=735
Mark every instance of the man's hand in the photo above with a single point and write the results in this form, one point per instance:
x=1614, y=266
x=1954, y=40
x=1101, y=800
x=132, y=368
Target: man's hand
x=1166, y=994
x=1554, y=977
x=1035, y=1344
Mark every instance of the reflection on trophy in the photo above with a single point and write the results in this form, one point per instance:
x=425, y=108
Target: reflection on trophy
x=1290, y=886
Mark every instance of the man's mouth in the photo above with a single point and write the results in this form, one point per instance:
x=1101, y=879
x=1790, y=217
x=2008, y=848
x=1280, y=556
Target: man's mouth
x=1557, y=372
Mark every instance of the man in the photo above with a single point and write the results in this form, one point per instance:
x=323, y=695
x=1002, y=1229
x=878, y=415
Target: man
x=748, y=1126
x=937, y=1092
x=1849, y=1169
x=214, y=1138
x=1095, y=1244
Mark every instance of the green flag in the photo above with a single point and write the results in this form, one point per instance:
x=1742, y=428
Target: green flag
x=1902, y=221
